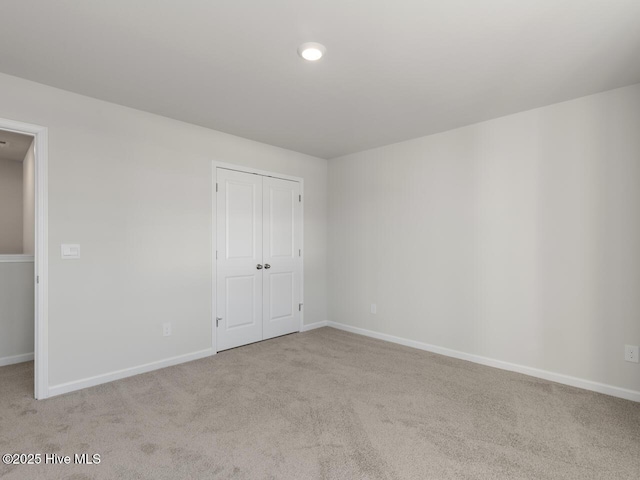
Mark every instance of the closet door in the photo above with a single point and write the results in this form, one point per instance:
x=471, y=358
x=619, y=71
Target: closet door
x=239, y=282
x=282, y=274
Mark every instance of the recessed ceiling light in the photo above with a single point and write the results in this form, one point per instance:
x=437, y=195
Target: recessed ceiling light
x=311, y=51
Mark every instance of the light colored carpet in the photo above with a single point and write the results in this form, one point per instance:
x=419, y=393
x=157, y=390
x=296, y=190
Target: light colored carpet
x=324, y=404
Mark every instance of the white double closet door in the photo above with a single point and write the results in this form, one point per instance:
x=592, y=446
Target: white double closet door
x=259, y=263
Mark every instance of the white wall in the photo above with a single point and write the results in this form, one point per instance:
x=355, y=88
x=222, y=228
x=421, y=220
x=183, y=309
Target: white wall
x=16, y=310
x=134, y=189
x=28, y=202
x=516, y=239
x=10, y=207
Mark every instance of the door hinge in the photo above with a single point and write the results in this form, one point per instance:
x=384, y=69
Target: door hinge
x=300, y=307
x=38, y=279
x=216, y=187
x=300, y=198
x=218, y=321
x=216, y=254
x=300, y=253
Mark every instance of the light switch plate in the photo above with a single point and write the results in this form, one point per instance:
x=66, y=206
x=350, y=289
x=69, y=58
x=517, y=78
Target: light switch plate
x=70, y=251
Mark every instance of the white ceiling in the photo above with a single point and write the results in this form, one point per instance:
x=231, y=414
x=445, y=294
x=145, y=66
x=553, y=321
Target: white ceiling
x=16, y=145
x=394, y=69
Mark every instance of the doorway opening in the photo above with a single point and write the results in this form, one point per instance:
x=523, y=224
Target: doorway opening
x=23, y=255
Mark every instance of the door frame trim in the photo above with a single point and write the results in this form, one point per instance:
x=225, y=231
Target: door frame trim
x=41, y=260
x=214, y=177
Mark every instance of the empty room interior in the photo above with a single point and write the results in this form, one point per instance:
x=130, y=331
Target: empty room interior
x=320, y=240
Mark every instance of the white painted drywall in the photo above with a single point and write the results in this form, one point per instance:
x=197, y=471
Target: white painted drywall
x=515, y=239
x=28, y=202
x=10, y=207
x=134, y=190
x=16, y=309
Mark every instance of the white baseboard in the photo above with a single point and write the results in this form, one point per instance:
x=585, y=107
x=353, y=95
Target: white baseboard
x=25, y=357
x=534, y=372
x=313, y=326
x=127, y=372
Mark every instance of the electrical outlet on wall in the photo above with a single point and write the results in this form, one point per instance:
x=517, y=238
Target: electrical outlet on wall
x=374, y=308
x=166, y=329
x=631, y=353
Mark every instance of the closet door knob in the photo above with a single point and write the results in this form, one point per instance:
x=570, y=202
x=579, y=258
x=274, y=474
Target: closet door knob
x=267, y=266
x=259, y=267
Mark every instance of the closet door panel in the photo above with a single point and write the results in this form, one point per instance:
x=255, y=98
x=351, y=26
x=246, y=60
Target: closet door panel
x=282, y=233
x=239, y=279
